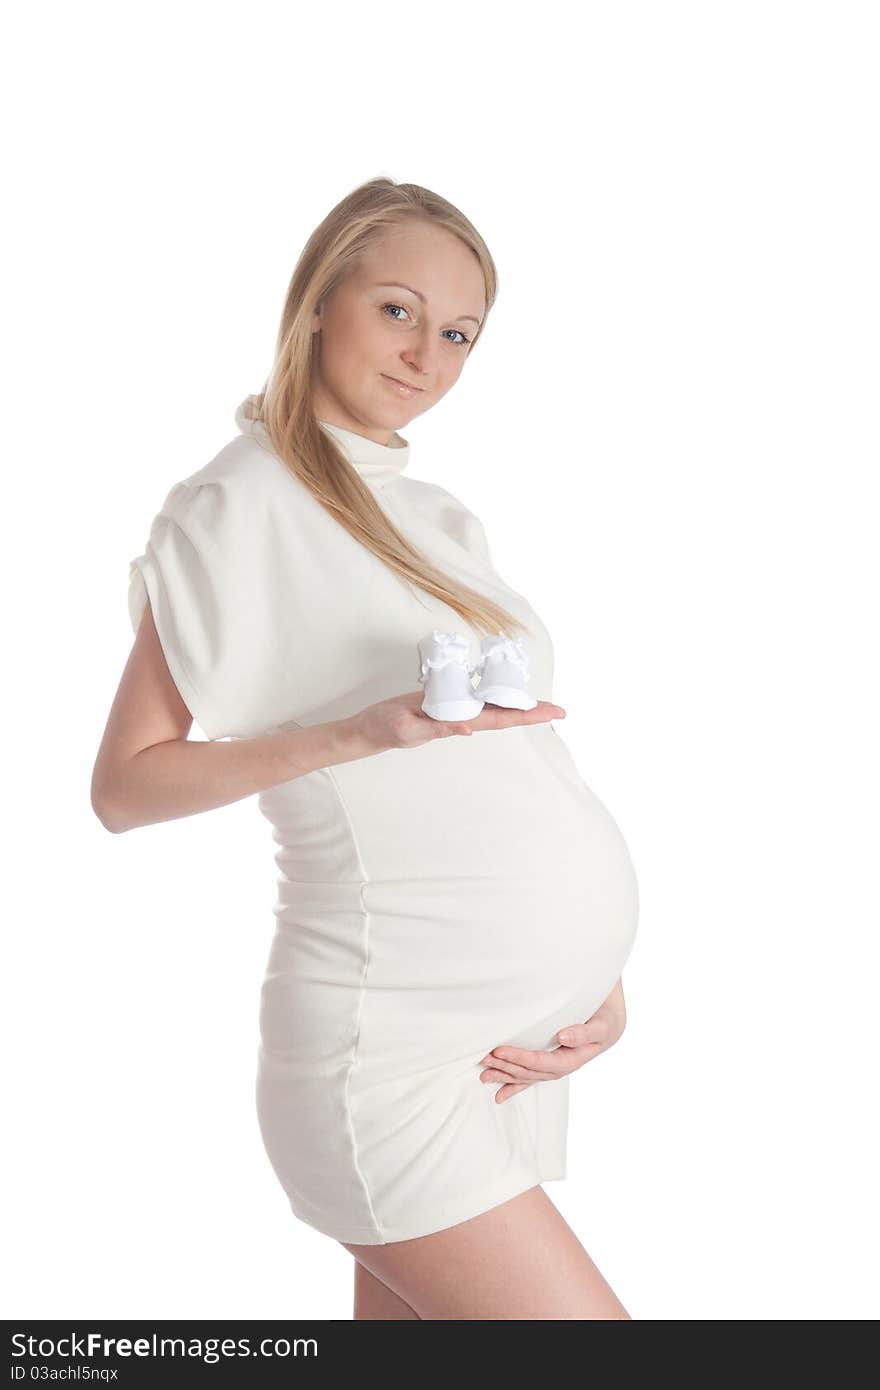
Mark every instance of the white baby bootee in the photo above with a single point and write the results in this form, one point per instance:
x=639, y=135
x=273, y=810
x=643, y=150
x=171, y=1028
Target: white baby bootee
x=446, y=673
x=504, y=671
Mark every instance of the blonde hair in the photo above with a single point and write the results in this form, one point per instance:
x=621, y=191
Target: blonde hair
x=286, y=406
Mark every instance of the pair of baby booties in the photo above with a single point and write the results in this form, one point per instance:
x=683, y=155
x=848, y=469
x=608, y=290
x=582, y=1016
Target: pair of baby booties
x=446, y=673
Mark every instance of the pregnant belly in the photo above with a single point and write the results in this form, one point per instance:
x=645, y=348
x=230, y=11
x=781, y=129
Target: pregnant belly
x=509, y=920
x=425, y=975
x=479, y=960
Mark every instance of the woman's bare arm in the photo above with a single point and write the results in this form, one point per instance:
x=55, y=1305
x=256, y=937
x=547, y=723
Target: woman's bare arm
x=148, y=771
x=182, y=777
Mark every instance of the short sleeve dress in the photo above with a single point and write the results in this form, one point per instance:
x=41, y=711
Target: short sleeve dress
x=431, y=903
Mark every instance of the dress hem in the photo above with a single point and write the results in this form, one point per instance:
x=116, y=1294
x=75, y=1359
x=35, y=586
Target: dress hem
x=483, y=1200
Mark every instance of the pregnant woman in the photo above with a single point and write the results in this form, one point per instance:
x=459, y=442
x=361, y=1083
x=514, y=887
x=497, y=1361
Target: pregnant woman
x=454, y=906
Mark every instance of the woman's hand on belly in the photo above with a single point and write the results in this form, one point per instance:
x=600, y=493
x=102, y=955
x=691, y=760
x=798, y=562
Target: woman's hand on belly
x=519, y=1067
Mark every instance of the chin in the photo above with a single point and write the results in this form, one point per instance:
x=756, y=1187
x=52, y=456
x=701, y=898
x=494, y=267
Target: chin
x=394, y=415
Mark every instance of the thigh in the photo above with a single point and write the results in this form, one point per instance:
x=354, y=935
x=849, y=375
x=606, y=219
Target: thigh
x=375, y=1302
x=519, y=1260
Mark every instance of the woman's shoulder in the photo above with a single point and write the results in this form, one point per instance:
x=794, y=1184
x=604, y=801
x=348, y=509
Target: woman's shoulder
x=242, y=463
x=243, y=483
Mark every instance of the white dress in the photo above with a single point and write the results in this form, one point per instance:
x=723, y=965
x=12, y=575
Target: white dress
x=432, y=902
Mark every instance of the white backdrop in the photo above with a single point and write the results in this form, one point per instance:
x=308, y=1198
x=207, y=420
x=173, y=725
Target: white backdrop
x=670, y=432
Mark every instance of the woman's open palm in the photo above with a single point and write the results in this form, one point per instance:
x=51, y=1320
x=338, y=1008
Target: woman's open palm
x=400, y=722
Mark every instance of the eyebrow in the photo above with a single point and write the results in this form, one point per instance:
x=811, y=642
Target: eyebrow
x=396, y=285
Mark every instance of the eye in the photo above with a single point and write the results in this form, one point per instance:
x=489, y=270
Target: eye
x=464, y=339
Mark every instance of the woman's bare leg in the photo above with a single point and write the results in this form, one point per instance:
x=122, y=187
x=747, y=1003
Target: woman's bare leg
x=520, y=1260
x=374, y=1301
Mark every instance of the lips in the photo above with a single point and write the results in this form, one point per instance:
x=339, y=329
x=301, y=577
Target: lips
x=410, y=384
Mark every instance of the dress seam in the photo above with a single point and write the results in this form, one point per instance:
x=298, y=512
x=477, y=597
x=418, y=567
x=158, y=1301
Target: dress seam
x=365, y=880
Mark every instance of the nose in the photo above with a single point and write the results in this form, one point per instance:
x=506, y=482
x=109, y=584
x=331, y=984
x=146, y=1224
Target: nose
x=422, y=358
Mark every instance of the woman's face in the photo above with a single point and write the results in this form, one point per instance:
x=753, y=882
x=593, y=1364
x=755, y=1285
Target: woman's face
x=372, y=329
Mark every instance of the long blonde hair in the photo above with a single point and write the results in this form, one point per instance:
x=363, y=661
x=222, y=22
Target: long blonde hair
x=286, y=405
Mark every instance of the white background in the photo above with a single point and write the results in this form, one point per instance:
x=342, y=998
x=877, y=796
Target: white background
x=669, y=429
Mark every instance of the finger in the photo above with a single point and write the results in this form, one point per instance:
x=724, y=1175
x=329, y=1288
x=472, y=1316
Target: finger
x=507, y=1093
x=501, y=717
x=579, y=1034
x=539, y=1061
x=527, y=1077
x=508, y=1069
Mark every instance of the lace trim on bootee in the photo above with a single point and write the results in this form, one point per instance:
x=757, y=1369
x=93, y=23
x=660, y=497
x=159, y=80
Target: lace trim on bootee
x=451, y=647
x=508, y=649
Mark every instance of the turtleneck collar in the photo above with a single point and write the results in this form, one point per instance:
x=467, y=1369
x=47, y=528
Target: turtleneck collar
x=378, y=464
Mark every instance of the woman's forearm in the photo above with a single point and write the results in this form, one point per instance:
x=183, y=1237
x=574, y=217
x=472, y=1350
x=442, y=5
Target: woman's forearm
x=182, y=777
